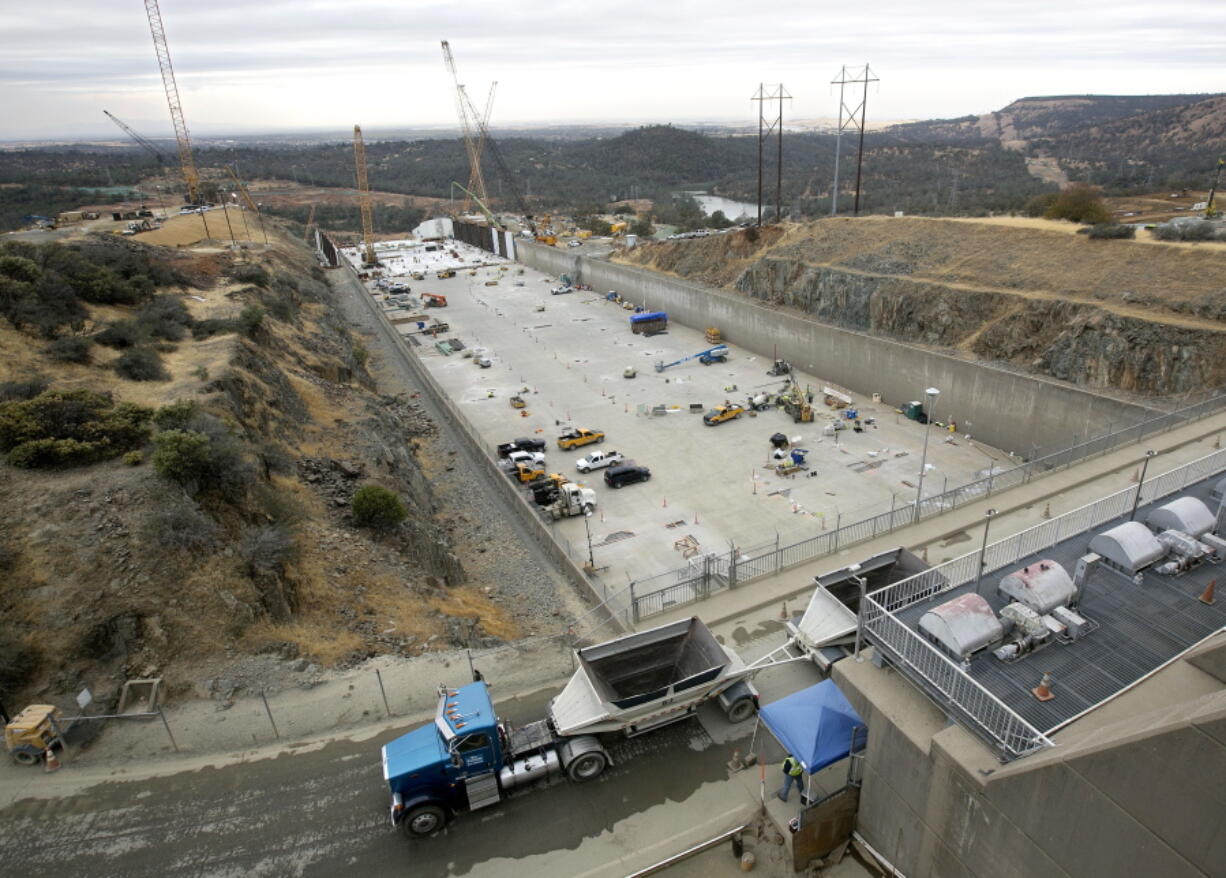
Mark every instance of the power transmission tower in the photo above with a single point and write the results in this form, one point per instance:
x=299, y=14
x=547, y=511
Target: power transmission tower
x=765, y=129
x=186, y=162
x=850, y=117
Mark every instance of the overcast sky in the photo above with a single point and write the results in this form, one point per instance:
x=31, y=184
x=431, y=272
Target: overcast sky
x=266, y=65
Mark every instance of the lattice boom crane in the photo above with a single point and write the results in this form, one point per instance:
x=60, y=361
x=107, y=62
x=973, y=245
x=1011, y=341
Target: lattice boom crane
x=186, y=162
x=368, y=224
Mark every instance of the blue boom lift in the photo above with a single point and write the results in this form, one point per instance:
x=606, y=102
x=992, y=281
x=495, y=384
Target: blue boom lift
x=717, y=354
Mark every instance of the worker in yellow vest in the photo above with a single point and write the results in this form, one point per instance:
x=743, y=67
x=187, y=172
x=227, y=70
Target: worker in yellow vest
x=792, y=770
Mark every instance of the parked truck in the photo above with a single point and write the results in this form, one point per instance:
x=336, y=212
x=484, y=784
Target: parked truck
x=468, y=759
x=572, y=500
x=598, y=459
x=574, y=438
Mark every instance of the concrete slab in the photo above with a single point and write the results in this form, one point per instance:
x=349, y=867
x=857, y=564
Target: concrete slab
x=711, y=488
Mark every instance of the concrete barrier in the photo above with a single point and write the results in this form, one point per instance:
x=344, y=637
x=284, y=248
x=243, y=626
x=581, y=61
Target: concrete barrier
x=463, y=429
x=1024, y=414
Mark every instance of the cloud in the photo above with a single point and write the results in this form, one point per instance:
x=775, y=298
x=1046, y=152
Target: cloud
x=321, y=64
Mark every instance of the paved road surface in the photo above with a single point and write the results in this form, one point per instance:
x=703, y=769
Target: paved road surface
x=324, y=812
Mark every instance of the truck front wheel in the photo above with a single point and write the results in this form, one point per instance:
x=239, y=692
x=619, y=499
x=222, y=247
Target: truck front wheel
x=587, y=766
x=423, y=820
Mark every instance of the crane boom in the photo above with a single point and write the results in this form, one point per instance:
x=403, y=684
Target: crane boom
x=468, y=119
x=186, y=162
x=140, y=141
x=481, y=204
x=505, y=171
x=368, y=225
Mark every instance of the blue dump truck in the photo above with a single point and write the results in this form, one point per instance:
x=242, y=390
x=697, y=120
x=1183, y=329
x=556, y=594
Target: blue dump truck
x=468, y=758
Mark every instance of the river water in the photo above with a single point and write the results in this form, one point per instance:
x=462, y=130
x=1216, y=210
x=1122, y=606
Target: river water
x=732, y=209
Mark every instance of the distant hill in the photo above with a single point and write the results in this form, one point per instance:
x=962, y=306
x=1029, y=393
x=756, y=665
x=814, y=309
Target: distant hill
x=1042, y=117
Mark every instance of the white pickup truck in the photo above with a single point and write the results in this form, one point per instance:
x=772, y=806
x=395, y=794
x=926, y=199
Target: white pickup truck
x=527, y=458
x=598, y=460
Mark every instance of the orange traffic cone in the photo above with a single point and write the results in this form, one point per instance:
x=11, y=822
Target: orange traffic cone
x=1043, y=690
x=50, y=761
x=1207, y=597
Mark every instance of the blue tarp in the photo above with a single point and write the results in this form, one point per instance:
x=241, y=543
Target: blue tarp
x=815, y=725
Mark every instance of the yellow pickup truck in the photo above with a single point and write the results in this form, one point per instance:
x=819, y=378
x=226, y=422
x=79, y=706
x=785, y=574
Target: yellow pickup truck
x=572, y=439
x=722, y=413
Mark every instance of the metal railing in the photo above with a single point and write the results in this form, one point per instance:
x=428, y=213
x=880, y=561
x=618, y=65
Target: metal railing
x=945, y=680
x=746, y=566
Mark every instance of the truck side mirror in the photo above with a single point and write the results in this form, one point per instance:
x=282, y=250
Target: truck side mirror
x=456, y=760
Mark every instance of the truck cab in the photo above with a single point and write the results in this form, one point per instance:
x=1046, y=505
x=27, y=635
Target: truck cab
x=447, y=766
x=576, y=438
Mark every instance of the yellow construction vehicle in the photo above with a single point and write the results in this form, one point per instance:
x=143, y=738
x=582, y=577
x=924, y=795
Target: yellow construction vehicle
x=446, y=273
x=517, y=402
x=32, y=732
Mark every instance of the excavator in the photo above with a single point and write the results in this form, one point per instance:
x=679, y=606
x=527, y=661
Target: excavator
x=433, y=300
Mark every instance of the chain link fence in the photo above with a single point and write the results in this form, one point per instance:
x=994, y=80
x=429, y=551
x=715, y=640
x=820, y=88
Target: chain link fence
x=944, y=679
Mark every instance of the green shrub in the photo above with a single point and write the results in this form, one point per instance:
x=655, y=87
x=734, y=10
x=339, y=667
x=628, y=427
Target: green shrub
x=183, y=456
x=1040, y=204
x=180, y=525
x=201, y=372
x=165, y=317
x=1079, y=203
x=251, y=274
x=70, y=349
x=1101, y=231
x=141, y=364
x=250, y=320
x=62, y=428
x=122, y=334
x=376, y=507
x=176, y=415
x=134, y=458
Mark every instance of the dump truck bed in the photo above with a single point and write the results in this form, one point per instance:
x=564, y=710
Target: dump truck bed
x=621, y=682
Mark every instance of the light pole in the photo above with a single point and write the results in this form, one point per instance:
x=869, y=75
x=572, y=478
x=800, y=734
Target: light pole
x=931, y=395
x=1141, y=483
x=983, y=550
x=591, y=560
x=854, y=571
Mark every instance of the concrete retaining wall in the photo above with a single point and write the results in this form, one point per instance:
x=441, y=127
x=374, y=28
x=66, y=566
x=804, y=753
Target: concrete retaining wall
x=1023, y=414
x=1136, y=800
x=511, y=494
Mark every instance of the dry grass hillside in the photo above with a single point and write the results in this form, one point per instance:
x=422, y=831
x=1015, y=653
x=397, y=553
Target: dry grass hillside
x=117, y=563
x=1141, y=316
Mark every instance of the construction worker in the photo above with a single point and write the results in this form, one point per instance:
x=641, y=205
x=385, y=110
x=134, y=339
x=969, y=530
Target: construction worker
x=792, y=770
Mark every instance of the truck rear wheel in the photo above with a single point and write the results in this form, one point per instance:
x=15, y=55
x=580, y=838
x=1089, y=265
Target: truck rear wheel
x=423, y=820
x=587, y=766
x=740, y=710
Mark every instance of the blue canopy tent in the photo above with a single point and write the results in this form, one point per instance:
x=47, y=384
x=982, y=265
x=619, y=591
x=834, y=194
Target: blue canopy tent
x=817, y=725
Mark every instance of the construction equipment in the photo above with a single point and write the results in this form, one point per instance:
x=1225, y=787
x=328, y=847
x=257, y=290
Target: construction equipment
x=446, y=273
x=1211, y=210
x=310, y=224
x=249, y=201
x=797, y=402
x=517, y=402
x=33, y=732
x=649, y=322
x=473, y=145
x=187, y=164
x=717, y=354
x=780, y=367
x=148, y=146
x=433, y=300
x=368, y=224
x=489, y=214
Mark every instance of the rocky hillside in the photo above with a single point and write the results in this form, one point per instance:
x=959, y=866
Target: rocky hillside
x=184, y=433
x=1125, y=315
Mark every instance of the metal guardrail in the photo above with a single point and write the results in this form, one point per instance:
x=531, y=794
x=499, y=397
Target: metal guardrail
x=748, y=566
x=945, y=680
